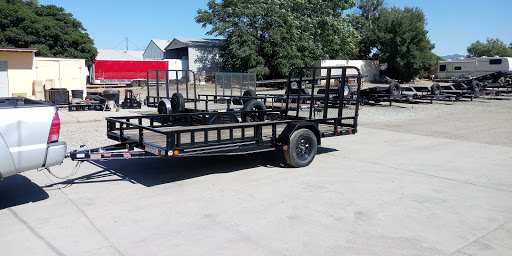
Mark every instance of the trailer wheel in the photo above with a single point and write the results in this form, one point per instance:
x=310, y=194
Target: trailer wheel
x=248, y=93
x=253, y=105
x=134, y=83
x=143, y=83
x=435, y=89
x=475, y=86
x=177, y=102
x=302, y=148
x=395, y=89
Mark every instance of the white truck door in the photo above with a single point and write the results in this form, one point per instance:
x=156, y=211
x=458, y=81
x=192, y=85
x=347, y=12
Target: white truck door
x=4, y=82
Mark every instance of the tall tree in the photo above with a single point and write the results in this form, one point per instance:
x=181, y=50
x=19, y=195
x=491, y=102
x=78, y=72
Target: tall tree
x=268, y=37
x=365, y=21
x=47, y=28
x=493, y=47
x=403, y=43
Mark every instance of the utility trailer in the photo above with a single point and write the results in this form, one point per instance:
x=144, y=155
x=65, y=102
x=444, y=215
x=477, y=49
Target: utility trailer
x=297, y=128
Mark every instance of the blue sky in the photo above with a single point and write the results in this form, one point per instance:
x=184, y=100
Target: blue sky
x=452, y=24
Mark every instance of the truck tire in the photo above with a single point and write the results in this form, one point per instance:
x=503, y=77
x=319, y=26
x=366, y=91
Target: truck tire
x=177, y=102
x=253, y=105
x=475, y=86
x=435, y=89
x=248, y=93
x=302, y=148
x=395, y=89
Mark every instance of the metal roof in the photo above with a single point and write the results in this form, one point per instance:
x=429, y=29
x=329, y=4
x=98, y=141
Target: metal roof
x=199, y=42
x=108, y=54
x=161, y=43
x=17, y=50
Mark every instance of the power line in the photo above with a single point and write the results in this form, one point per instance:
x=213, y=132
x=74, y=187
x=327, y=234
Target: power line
x=118, y=44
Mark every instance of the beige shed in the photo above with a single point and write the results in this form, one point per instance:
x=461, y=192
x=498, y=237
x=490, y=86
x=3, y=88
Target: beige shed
x=61, y=73
x=16, y=71
x=23, y=74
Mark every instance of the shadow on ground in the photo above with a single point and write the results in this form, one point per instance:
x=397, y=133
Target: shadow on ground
x=17, y=190
x=156, y=171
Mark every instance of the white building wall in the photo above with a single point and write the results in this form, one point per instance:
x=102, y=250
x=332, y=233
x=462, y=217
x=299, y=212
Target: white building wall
x=176, y=64
x=369, y=68
x=205, y=59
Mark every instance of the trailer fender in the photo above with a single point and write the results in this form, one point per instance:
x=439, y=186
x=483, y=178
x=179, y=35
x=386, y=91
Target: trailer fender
x=284, y=137
x=164, y=107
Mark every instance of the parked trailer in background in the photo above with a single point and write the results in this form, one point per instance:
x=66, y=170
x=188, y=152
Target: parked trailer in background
x=473, y=67
x=126, y=71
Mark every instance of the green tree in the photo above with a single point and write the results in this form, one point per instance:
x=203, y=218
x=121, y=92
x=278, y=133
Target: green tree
x=493, y=47
x=47, y=28
x=365, y=21
x=269, y=37
x=403, y=43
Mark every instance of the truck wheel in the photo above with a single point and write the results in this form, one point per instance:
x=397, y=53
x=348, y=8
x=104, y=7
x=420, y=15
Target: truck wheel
x=253, y=105
x=395, y=89
x=302, y=148
x=435, y=89
x=177, y=102
x=248, y=93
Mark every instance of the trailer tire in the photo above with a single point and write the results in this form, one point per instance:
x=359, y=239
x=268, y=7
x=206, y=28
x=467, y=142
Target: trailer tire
x=253, y=105
x=248, y=93
x=475, y=86
x=143, y=83
x=435, y=89
x=134, y=83
x=177, y=102
x=302, y=148
x=395, y=89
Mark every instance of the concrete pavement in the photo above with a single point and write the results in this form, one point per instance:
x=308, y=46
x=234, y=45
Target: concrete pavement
x=376, y=193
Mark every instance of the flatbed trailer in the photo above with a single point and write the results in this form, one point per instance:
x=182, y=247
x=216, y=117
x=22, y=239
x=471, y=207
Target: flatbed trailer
x=297, y=128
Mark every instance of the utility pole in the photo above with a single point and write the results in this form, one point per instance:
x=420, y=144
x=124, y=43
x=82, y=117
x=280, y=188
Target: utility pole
x=127, y=44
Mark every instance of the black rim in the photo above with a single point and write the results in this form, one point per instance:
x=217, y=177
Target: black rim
x=304, y=148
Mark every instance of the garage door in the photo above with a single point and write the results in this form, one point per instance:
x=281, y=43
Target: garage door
x=4, y=82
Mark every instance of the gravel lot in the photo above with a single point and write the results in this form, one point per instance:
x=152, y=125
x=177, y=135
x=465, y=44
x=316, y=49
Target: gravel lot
x=437, y=119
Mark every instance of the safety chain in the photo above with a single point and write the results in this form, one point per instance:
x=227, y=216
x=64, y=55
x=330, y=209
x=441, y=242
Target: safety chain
x=75, y=170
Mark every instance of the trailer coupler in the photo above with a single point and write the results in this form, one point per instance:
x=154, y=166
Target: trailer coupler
x=118, y=151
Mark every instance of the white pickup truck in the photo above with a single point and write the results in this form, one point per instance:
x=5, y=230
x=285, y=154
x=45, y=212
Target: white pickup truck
x=29, y=136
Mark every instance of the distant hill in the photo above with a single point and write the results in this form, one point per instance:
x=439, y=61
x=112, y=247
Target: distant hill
x=453, y=57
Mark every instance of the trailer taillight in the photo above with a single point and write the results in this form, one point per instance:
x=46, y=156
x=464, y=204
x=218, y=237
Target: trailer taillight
x=55, y=129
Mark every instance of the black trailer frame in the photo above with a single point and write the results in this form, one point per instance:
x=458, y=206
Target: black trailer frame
x=296, y=129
